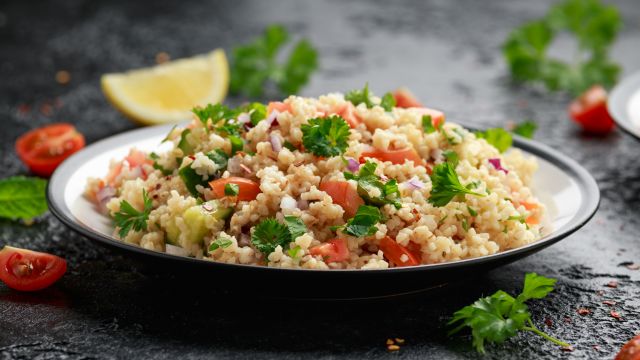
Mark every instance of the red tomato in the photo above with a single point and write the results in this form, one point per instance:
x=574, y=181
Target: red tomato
x=405, y=99
x=137, y=158
x=347, y=112
x=247, y=189
x=279, y=106
x=393, y=156
x=394, y=252
x=437, y=116
x=335, y=250
x=344, y=195
x=590, y=111
x=27, y=270
x=43, y=149
x=631, y=350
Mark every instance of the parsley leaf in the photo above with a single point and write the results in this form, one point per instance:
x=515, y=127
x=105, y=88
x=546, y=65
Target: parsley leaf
x=220, y=243
x=184, y=144
x=268, y=234
x=594, y=26
x=363, y=222
x=254, y=64
x=191, y=179
x=157, y=166
x=497, y=137
x=446, y=185
x=364, y=96
x=525, y=129
x=231, y=189
x=296, y=226
x=369, y=182
x=257, y=111
x=451, y=157
x=129, y=218
x=326, y=136
x=215, y=114
x=500, y=316
x=427, y=124
x=22, y=197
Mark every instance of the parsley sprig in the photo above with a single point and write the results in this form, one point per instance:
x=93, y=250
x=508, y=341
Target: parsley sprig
x=363, y=222
x=326, y=136
x=269, y=233
x=365, y=96
x=128, y=218
x=369, y=182
x=500, y=316
x=595, y=27
x=254, y=65
x=446, y=185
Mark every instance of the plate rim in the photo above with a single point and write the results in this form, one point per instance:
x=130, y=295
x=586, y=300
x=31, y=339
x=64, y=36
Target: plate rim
x=617, y=102
x=586, y=183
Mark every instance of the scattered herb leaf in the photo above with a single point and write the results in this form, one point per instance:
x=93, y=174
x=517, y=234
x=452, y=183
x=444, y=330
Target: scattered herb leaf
x=525, y=129
x=220, y=243
x=296, y=226
x=22, y=197
x=231, y=189
x=497, y=137
x=365, y=96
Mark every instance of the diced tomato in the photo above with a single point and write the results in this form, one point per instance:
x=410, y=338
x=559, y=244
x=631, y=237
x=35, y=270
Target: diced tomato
x=27, y=270
x=247, y=190
x=279, y=106
x=415, y=250
x=335, y=250
x=437, y=116
x=590, y=111
x=43, y=149
x=344, y=195
x=137, y=158
x=347, y=111
x=630, y=350
x=113, y=174
x=394, y=156
x=405, y=99
x=531, y=219
x=394, y=252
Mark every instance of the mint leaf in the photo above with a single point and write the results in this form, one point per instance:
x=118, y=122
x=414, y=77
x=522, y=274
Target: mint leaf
x=22, y=197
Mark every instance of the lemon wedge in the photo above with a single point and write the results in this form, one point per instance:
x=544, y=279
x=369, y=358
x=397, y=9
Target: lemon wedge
x=166, y=93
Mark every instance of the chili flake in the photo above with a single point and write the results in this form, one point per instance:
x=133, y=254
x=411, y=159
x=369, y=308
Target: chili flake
x=615, y=315
x=584, y=311
x=612, y=284
x=609, y=302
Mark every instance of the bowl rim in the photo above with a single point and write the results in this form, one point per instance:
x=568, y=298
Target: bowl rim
x=618, y=101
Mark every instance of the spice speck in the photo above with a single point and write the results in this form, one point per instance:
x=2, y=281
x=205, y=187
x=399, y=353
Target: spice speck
x=584, y=311
x=615, y=315
x=612, y=284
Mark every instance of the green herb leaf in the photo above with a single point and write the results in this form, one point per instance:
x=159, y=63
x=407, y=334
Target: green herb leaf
x=184, y=144
x=365, y=96
x=364, y=221
x=326, y=136
x=427, y=124
x=191, y=179
x=289, y=146
x=369, y=182
x=497, y=137
x=296, y=226
x=293, y=252
x=536, y=287
x=268, y=234
x=525, y=129
x=257, y=112
x=451, y=157
x=153, y=156
x=471, y=211
x=237, y=144
x=446, y=185
x=129, y=218
x=220, y=243
x=254, y=65
x=166, y=138
x=231, y=189
x=22, y=197
x=216, y=113
x=388, y=102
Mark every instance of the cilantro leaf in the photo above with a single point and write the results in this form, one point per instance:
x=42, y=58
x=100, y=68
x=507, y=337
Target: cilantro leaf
x=231, y=189
x=500, y=316
x=446, y=185
x=365, y=96
x=497, y=137
x=296, y=226
x=220, y=243
x=129, y=218
x=22, y=197
x=268, y=234
x=254, y=64
x=525, y=129
x=326, y=136
x=363, y=222
x=369, y=184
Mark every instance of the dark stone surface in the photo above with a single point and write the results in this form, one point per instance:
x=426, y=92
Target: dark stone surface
x=447, y=52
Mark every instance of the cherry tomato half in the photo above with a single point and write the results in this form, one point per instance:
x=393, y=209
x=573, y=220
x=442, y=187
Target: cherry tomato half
x=27, y=270
x=405, y=99
x=335, y=250
x=590, y=111
x=630, y=350
x=43, y=149
x=247, y=190
x=344, y=195
x=394, y=156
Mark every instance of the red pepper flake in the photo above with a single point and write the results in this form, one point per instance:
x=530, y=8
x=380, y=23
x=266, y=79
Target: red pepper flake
x=192, y=157
x=612, y=284
x=600, y=292
x=615, y=315
x=609, y=302
x=548, y=321
x=567, y=348
x=596, y=348
x=567, y=319
x=633, y=266
x=584, y=311
x=246, y=169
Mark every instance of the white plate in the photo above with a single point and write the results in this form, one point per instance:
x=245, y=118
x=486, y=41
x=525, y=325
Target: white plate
x=624, y=105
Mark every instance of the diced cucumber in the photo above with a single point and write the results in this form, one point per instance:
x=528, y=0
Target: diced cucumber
x=196, y=218
x=184, y=145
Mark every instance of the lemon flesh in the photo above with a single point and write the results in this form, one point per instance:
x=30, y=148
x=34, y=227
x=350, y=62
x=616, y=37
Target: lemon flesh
x=166, y=93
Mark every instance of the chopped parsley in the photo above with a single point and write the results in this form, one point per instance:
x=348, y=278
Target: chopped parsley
x=220, y=243
x=451, y=157
x=296, y=226
x=293, y=252
x=191, y=179
x=289, y=146
x=255, y=64
x=257, y=112
x=326, y=136
x=363, y=222
x=364, y=96
x=427, y=125
x=369, y=182
x=525, y=129
x=128, y=218
x=519, y=218
x=184, y=144
x=500, y=316
x=237, y=144
x=22, y=197
x=497, y=137
x=268, y=234
x=471, y=211
x=157, y=166
x=446, y=185
x=231, y=189
x=215, y=114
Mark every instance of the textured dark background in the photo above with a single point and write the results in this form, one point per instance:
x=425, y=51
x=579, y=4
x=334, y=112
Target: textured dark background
x=446, y=51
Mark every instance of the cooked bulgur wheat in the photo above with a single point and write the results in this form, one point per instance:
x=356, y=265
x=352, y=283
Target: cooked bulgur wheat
x=289, y=181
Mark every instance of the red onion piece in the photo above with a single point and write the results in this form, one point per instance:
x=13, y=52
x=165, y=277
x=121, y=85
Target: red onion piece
x=272, y=118
x=276, y=143
x=353, y=165
x=498, y=165
x=244, y=240
x=415, y=183
x=244, y=118
x=303, y=204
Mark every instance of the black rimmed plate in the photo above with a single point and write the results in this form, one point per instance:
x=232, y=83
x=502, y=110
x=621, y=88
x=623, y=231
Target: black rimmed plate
x=569, y=192
x=624, y=105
